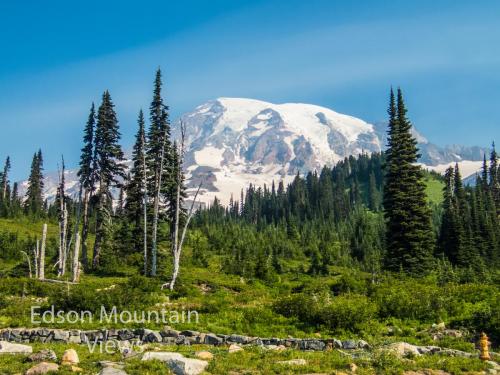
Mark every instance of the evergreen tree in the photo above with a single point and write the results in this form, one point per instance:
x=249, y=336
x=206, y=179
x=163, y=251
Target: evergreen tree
x=87, y=178
x=108, y=168
x=409, y=234
x=135, y=189
x=34, y=203
x=157, y=154
x=4, y=179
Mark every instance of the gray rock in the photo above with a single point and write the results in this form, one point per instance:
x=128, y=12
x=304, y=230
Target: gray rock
x=125, y=334
x=363, y=344
x=312, y=345
x=112, y=371
x=169, y=332
x=190, y=333
x=239, y=339
x=43, y=355
x=337, y=344
x=152, y=336
x=59, y=335
x=187, y=366
x=182, y=340
x=349, y=344
x=9, y=348
x=211, y=339
x=161, y=356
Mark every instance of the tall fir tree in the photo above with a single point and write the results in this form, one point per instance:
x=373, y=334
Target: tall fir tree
x=135, y=189
x=409, y=234
x=108, y=169
x=157, y=154
x=87, y=181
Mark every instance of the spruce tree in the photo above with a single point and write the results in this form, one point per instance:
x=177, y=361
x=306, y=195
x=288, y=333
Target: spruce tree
x=108, y=169
x=409, y=233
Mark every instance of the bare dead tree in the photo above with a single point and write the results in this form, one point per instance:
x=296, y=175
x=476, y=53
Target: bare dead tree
x=36, y=252
x=76, y=260
x=41, y=261
x=178, y=243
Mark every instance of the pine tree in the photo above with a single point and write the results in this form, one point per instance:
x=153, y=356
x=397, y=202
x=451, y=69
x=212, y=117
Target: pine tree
x=34, y=203
x=409, y=233
x=87, y=177
x=108, y=168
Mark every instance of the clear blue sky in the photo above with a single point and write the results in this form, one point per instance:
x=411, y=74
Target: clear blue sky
x=56, y=57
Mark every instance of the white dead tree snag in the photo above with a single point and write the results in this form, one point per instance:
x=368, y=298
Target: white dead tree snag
x=36, y=252
x=41, y=260
x=76, y=260
x=177, y=242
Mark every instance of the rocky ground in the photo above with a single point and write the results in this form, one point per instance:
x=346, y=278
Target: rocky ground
x=120, y=352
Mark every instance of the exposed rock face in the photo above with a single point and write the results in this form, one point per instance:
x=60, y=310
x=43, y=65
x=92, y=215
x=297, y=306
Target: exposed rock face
x=293, y=362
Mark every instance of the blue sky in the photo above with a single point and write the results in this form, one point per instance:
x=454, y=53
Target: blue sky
x=56, y=57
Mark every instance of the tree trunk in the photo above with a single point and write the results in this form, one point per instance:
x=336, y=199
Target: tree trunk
x=35, y=258
x=99, y=235
x=85, y=228
x=41, y=262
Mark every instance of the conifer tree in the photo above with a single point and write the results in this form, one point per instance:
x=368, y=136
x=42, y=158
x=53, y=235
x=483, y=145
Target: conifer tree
x=136, y=188
x=157, y=154
x=409, y=234
x=4, y=180
x=108, y=169
x=34, y=203
x=87, y=181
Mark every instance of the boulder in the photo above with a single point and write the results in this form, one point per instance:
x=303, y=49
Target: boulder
x=363, y=344
x=70, y=357
x=10, y=348
x=402, y=349
x=233, y=348
x=43, y=355
x=293, y=362
x=112, y=371
x=187, y=366
x=43, y=368
x=152, y=336
x=178, y=363
x=161, y=356
x=211, y=339
x=349, y=344
x=204, y=355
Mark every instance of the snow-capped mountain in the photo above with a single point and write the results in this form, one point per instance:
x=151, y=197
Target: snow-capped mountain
x=232, y=142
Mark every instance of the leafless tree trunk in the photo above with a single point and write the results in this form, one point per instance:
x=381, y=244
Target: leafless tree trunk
x=76, y=260
x=156, y=210
x=36, y=253
x=178, y=243
x=41, y=261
